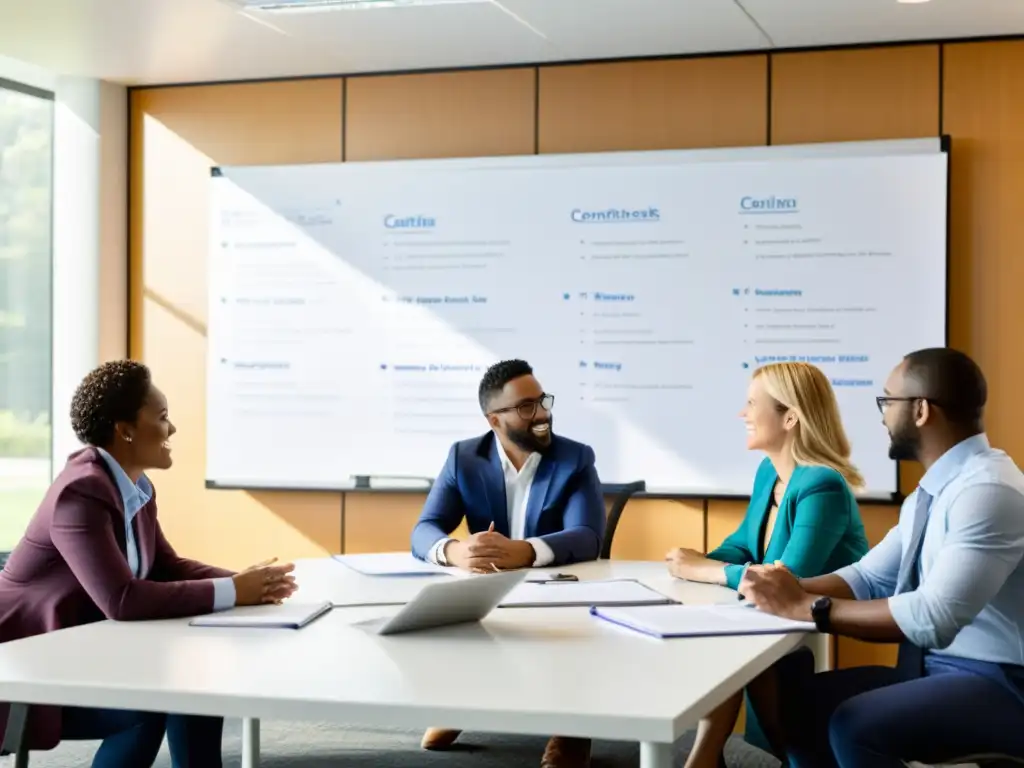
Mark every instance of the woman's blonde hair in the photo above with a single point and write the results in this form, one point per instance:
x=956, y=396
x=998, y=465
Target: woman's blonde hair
x=819, y=438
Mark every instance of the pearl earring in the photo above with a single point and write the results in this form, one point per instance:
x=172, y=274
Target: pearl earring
x=128, y=438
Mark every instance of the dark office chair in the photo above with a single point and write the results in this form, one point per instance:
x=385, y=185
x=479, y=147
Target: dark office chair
x=622, y=494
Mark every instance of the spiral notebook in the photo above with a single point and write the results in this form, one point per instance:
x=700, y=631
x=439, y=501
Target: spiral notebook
x=285, y=616
x=671, y=621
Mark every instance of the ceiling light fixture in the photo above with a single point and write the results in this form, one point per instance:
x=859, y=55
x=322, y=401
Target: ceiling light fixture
x=912, y=2
x=307, y=6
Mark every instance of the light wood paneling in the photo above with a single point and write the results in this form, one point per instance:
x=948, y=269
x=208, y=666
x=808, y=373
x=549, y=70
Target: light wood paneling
x=452, y=114
x=855, y=95
x=383, y=522
x=177, y=134
x=649, y=528
x=724, y=517
x=983, y=109
x=714, y=102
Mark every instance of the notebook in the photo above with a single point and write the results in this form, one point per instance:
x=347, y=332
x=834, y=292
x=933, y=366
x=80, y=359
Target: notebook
x=582, y=594
x=390, y=564
x=671, y=621
x=285, y=616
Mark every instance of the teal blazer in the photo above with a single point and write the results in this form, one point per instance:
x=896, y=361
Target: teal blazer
x=818, y=528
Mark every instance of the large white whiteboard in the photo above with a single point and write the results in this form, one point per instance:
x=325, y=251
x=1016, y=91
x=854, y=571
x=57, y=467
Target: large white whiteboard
x=354, y=306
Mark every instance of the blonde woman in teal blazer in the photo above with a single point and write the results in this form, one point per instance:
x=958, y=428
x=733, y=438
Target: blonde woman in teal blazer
x=802, y=512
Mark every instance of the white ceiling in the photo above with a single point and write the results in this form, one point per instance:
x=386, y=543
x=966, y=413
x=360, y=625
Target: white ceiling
x=178, y=41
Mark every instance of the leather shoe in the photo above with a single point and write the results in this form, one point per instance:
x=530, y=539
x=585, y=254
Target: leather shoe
x=439, y=738
x=564, y=752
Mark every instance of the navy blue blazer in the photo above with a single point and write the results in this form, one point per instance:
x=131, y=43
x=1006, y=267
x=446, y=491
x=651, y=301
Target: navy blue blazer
x=565, y=507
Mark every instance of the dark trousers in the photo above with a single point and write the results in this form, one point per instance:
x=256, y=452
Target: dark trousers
x=875, y=717
x=133, y=739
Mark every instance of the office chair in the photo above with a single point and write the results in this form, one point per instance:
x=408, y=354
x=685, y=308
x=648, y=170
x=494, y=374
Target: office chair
x=622, y=495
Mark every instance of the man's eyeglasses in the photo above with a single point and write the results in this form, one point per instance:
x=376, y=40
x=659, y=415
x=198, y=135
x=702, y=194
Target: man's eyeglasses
x=883, y=401
x=528, y=409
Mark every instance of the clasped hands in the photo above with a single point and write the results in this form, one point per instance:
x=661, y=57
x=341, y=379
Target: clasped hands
x=264, y=583
x=489, y=551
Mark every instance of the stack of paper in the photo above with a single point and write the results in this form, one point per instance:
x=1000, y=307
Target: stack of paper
x=390, y=564
x=700, y=620
x=288, y=615
x=583, y=594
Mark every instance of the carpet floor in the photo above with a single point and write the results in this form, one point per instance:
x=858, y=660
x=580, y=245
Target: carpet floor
x=321, y=745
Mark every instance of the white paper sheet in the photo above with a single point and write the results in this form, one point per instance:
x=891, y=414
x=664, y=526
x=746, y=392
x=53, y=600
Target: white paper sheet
x=669, y=621
x=582, y=594
x=390, y=564
x=288, y=615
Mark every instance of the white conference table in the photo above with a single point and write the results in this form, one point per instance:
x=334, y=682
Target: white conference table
x=537, y=671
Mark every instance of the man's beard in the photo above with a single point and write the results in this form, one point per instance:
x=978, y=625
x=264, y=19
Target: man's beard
x=904, y=441
x=528, y=441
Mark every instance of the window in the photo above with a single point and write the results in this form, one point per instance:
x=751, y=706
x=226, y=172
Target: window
x=26, y=203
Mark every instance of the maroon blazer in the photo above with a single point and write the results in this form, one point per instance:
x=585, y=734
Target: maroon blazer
x=71, y=568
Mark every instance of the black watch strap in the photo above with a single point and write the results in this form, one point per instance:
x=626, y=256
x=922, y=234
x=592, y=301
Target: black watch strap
x=821, y=614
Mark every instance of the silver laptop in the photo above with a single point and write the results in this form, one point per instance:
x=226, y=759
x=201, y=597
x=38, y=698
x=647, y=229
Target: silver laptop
x=455, y=601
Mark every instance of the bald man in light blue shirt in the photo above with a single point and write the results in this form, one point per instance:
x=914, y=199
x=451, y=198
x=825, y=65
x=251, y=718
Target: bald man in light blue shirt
x=947, y=583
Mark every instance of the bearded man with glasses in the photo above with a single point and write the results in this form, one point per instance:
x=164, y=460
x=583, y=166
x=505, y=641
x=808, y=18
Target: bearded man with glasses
x=530, y=498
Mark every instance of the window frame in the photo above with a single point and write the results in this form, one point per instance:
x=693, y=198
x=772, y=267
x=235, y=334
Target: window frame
x=16, y=86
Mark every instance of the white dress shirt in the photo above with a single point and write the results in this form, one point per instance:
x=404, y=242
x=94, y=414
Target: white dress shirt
x=517, y=495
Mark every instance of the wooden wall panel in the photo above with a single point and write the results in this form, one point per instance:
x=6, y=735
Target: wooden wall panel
x=715, y=102
x=649, y=528
x=724, y=517
x=855, y=95
x=177, y=134
x=451, y=114
x=382, y=522
x=983, y=108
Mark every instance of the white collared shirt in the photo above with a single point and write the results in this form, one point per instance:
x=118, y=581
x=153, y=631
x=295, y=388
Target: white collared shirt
x=517, y=496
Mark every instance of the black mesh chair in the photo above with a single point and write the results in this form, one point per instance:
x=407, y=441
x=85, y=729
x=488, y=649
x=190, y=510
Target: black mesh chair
x=622, y=494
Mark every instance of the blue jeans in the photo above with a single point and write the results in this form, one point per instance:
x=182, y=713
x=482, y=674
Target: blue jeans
x=133, y=739
x=875, y=717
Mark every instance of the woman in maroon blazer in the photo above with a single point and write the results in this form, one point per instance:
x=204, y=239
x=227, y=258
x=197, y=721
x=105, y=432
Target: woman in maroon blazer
x=94, y=550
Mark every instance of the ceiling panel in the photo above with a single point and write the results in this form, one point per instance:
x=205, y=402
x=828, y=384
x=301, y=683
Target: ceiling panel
x=174, y=41
x=147, y=41
x=586, y=29
x=419, y=37
x=795, y=23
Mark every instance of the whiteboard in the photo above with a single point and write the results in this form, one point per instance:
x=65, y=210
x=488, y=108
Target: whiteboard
x=353, y=307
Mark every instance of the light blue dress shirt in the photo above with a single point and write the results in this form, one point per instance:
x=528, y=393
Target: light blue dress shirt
x=969, y=601
x=135, y=496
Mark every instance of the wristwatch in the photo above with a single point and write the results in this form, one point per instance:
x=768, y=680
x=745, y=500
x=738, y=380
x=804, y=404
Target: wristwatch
x=821, y=610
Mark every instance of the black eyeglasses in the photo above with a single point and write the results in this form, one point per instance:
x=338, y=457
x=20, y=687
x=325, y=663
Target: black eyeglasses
x=883, y=401
x=528, y=409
